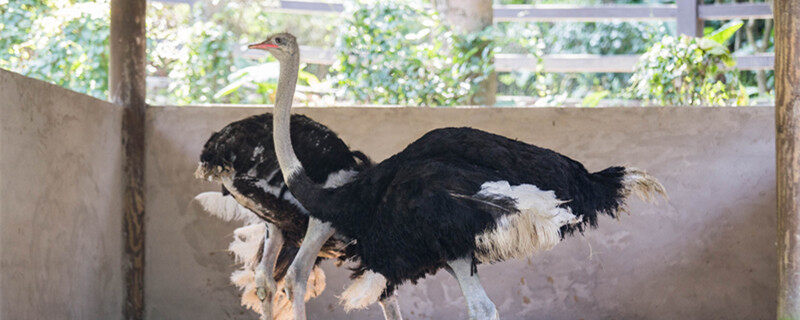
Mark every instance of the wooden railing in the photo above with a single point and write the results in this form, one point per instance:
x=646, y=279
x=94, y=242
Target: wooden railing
x=566, y=63
x=538, y=13
x=688, y=15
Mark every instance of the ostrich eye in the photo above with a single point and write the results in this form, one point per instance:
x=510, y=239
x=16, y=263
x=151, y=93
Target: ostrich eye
x=278, y=40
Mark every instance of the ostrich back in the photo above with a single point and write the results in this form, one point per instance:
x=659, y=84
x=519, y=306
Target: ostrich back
x=462, y=192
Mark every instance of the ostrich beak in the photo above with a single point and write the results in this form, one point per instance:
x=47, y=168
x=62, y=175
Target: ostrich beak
x=263, y=45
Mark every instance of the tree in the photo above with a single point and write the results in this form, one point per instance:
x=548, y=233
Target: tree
x=472, y=16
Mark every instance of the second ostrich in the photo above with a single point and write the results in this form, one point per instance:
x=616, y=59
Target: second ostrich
x=241, y=157
x=455, y=198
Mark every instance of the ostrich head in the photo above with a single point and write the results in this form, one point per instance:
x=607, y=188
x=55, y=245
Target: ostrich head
x=281, y=45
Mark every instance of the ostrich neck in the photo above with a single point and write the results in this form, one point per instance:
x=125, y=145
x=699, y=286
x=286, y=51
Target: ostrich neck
x=301, y=186
x=287, y=81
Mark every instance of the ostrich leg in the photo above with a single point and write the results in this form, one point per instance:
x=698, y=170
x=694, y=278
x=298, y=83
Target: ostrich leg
x=265, y=282
x=478, y=304
x=391, y=309
x=296, y=278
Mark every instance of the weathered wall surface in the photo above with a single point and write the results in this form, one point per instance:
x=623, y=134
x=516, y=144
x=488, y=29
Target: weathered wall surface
x=707, y=253
x=60, y=203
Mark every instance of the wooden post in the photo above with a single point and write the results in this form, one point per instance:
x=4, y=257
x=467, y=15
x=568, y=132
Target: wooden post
x=689, y=22
x=471, y=16
x=787, y=145
x=127, y=88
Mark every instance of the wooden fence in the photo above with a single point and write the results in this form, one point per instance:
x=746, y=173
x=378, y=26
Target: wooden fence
x=688, y=15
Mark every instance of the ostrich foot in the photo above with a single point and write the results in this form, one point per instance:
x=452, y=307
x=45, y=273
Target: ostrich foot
x=265, y=290
x=295, y=288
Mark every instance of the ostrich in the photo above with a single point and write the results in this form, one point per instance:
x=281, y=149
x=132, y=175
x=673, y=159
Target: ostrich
x=454, y=198
x=241, y=157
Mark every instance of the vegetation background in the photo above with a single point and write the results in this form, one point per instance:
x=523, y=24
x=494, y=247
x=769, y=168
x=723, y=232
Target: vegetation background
x=388, y=52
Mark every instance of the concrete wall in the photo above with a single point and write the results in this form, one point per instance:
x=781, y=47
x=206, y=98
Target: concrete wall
x=60, y=203
x=707, y=253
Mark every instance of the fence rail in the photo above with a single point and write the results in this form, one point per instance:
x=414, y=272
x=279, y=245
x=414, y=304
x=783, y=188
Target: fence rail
x=552, y=13
x=539, y=13
x=544, y=13
x=735, y=11
x=563, y=63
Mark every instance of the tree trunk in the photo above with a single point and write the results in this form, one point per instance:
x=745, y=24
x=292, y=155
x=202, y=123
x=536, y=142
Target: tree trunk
x=787, y=143
x=467, y=16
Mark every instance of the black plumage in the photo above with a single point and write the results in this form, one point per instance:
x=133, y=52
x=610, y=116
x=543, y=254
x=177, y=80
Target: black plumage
x=421, y=208
x=243, y=151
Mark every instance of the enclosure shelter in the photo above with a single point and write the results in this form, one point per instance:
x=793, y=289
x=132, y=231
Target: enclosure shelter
x=96, y=218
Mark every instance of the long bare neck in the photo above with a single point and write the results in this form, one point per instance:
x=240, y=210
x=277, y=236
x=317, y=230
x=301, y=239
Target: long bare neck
x=287, y=81
x=301, y=186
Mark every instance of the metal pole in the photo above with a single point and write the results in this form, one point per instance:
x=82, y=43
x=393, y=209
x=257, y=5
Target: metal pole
x=127, y=88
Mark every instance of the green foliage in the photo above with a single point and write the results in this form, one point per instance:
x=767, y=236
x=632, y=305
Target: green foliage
x=192, y=49
x=16, y=19
x=593, y=99
x=194, y=55
x=261, y=81
x=401, y=53
x=687, y=71
x=198, y=49
x=600, y=38
x=396, y=53
x=60, y=42
x=196, y=75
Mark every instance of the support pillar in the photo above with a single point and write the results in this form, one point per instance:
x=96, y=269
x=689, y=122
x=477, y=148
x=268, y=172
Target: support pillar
x=787, y=144
x=127, y=88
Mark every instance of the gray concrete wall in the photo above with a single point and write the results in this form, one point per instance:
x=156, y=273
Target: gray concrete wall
x=60, y=203
x=707, y=253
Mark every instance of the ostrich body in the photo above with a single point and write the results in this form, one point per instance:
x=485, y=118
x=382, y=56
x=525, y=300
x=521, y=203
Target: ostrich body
x=452, y=199
x=241, y=157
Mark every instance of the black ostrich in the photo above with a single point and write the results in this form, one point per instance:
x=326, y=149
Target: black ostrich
x=241, y=157
x=452, y=199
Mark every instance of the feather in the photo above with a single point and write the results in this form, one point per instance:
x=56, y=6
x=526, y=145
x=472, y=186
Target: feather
x=225, y=207
x=363, y=291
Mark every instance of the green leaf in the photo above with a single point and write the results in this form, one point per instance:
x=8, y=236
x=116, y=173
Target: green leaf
x=231, y=87
x=725, y=32
x=593, y=99
x=309, y=78
x=728, y=61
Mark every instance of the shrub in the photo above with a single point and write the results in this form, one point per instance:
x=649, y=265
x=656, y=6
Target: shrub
x=400, y=53
x=63, y=43
x=600, y=38
x=688, y=71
